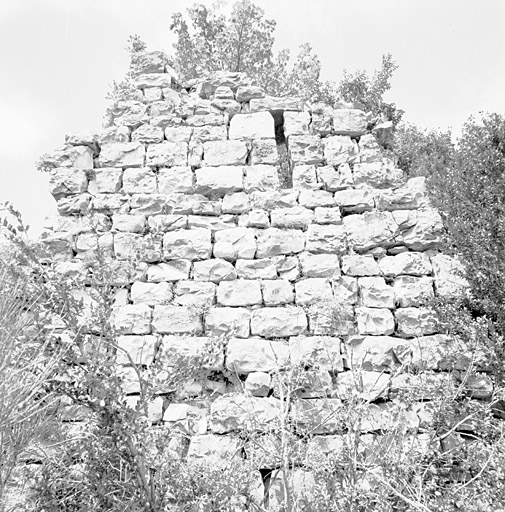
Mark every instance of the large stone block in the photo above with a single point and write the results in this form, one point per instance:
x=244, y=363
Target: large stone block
x=273, y=199
x=122, y=154
x=147, y=80
x=164, y=223
x=132, y=319
x=305, y=149
x=345, y=290
x=216, y=450
x=169, y=271
x=375, y=293
x=151, y=293
x=321, y=351
x=190, y=244
x=234, y=243
x=107, y=180
x=225, y=152
x=362, y=385
x=136, y=349
x=277, y=292
x=330, y=239
x=133, y=246
x=214, y=270
x=416, y=322
x=410, y=197
x=148, y=134
x=129, y=113
x=218, y=181
x=78, y=157
x=318, y=416
x=264, y=152
x=128, y=223
x=360, y=265
x=264, y=268
x=167, y=154
x=278, y=322
x=316, y=198
x=74, y=205
x=426, y=233
x=175, y=180
x=256, y=355
x=320, y=265
x=139, y=181
x=322, y=119
x=236, y=203
x=377, y=353
x=248, y=92
x=252, y=126
x=375, y=321
x=196, y=350
x=273, y=103
x=227, y=321
x=313, y=289
x=261, y=177
x=149, y=62
x=212, y=223
x=370, y=230
x=339, y=150
x=355, y=200
x=148, y=204
x=195, y=293
x=413, y=291
x=275, y=242
x=241, y=292
x=169, y=319
x=450, y=280
x=293, y=218
x=296, y=123
x=333, y=179
x=377, y=175
x=349, y=121
x=305, y=177
x=67, y=181
x=406, y=263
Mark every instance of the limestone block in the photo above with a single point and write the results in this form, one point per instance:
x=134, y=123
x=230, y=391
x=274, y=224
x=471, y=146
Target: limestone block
x=252, y=126
x=169, y=271
x=213, y=449
x=129, y=223
x=178, y=133
x=168, y=319
x=254, y=219
x=59, y=245
x=148, y=204
x=164, y=223
x=261, y=177
x=114, y=134
x=107, y=180
x=413, y=291
x=258, y=383
x=305, y=178
x=377, y=175
x=375, y=293
x=450, y=280
x=264, y=268
x=273, y=103
x=375, y=321
x=128, y=246
x=219, y=181
x=190, y=348
x=239, y=412
x=416, y=322
x=377, y=353
x=275, y=242
x=214, y=270
x=407, y=263
x=318, y=416
x=360, y=265
x=349, y=121
x=273, y=199
x=151, y=293
x=147, y=134
x=371, y=151
x=316, y=198
x=427, y=231
x=132, y=319
x=65, y=181
x=223, y=92
x=256, y=355
x=335, y=179
x=296, y=123
x=236, y=203
x=191, y=244
x=277, y=292
x=167, y=154
x=194, y=293
x=340, y=150
x=225, y=152
x=122, y=154
x=330, y=239
x=322, y=119
x=141, y=349
x=175, y=180
x=321, y=351
x=278, y=322
x=89, y=242
x=410, y=197
x=78, y=157
x=208, y=133
x=195, y=203
x=234, y=243
x=363, y=385
x=139, y=180
x=355, y=200
x=287, y=267
x=74, y=205
x=129, y=113
x=370, y=230
x=248, y=92
x=228, y=107
x=147, y=80
x=228, y=321
x=434, y=352
x=294, y=218
x=305, y=149
x=320, y=265
x=264, y=152
x=345, y=290
x=313, y=289
x=152, y=94
x=327, y=215
x=241, y=292
x=212, y=223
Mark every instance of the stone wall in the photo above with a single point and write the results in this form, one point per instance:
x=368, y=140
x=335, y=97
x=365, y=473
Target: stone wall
x=332, y=274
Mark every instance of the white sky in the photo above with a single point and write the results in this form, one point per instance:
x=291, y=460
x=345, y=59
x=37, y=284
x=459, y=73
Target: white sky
x=59, y=57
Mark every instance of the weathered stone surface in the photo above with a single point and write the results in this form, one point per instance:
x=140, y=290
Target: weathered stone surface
x=287, y=267
x=360, y=265
x=258, y=383
x=320, y=265
x=345, y=290
x=191, y=244
x=252, y=126
x=318, y=416
x=450, y=280
x=154, y=80
x=375, y=293
x=167, y=154
x=132, y=319
x=364, y=385
x=228, y=106
x=148, y=134
x=78, y=157
x=305, y=149
x=114, y=134
x=375, y=321
x=241, y=292
x=427, y=231
x=148, y=204
x=305, y=177
x=107, y=180
x=377, y=353
x=261, y=178
x=273, y=199
x=264, y=152
x=234, y=243
x=256, y=355
x=140, y=349
x=225, y=152
x=278, y=322
x=410, y=197
x=149, y=62
x=178, y=133
x=294, y=218
x=335, y=179
x=436, y=352
x=274, y=103
x=175, y=180
x=321, y=351
x=169, y=319
x=214, y=449
x=236, y=203
x=355, y=200
x=122, y=154
x=296, y=123
x=340, y=150
x=349, y=121
x=212, y=223
x=370, y=230
x=139, y=180
x=228, y=321
x=151, y=293
x=129, y=113
x=131, y=246
x=326, y=215
x=277, y=292
x=422, y=386
x=415, y=322
x=200, y=348
x=170, y=271
x=86, y=242
x=264, y=268
x=377, y=175
x=322, y=119
x=214, y=270
x=219, y=181
x=248, y=92
x=406, y=263
x=316, y=198
x=412, y=291
x=194, y=293
x=330, y=239
x=65, y=181
x=275, y=242
x=313, y=289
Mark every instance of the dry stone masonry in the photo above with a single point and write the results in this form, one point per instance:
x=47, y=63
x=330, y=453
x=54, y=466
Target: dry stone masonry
x=333, y=274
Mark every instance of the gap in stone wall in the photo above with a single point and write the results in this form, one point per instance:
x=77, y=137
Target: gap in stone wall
x=284, y=169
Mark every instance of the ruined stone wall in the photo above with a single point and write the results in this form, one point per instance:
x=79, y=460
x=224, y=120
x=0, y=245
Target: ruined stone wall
x=330, y=272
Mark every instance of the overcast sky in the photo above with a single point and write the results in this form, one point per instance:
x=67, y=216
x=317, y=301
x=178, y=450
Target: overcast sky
x=59, y=57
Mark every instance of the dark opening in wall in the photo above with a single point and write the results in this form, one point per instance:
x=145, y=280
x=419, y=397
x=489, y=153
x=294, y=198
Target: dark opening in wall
x=285, y=171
